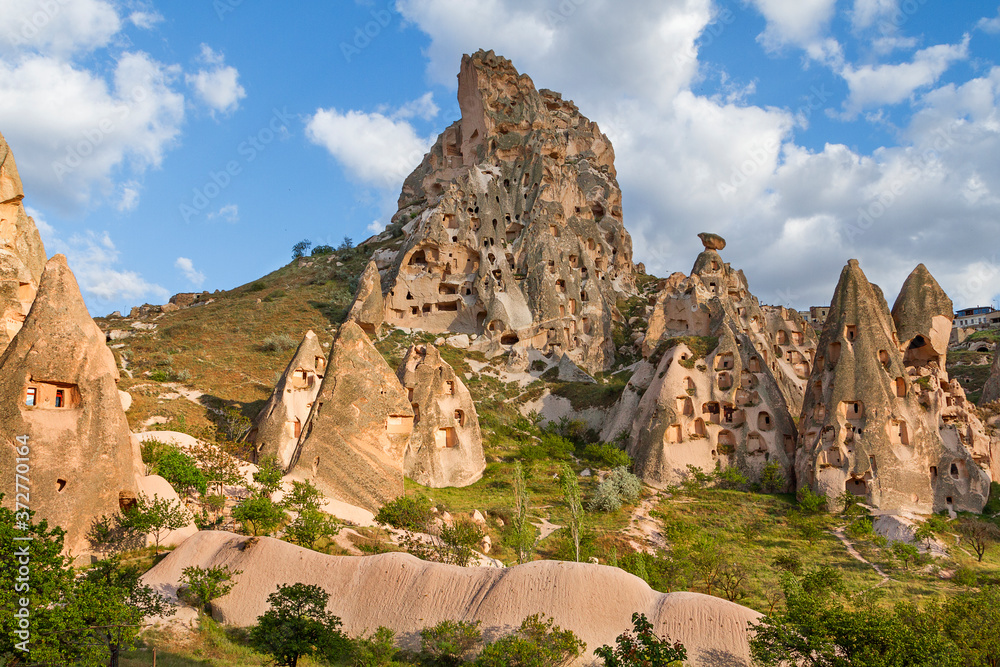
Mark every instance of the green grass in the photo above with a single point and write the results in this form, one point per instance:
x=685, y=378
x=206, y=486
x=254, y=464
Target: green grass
x=584, y=395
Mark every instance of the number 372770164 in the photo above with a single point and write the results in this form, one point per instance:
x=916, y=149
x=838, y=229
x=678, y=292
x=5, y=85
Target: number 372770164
x=22, y=485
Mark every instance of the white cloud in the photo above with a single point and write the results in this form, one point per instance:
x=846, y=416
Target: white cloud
x=422, y=107
x=193, y=276
x=875, y=85
x=146, y=20
x=375, y=149
x=801, y=23
x=128, y=196
x=93, y=258
x=990, y=25
x=57, y=28
x=217, y=87
x=228, y=213
x=376, y=227
x=866, y=13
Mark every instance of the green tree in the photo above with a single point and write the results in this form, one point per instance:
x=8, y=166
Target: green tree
x=217, y=466
x=459, y=542
x=520, y=535
x=181, y=470
x=259, y=515
x=971, y=620
x=153, y=516
x=411, y=513
x=574, y=503
x=297, y=624
x=772, y=478
x=809, y=502
x=449, y=643
x=375, y=650
x=200, y=586
x=538, y=642
x=643, y=648
x=301, y=248
x=310, y=524
x=268, y=476
x=981, y=534
x=233, y=424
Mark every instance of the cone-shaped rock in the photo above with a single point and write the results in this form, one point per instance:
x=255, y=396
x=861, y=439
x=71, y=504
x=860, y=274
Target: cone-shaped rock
x=720, y=374
x=991, y=391
x=446, y=447
x=512, y=224
x=871, y=423
x=58, y=390
x=923, y=315
x=22, y=255
x=353, y=442
x=277, y=428
x=367, y=309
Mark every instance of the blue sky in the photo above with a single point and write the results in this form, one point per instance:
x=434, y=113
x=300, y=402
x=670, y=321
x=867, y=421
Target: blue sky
x=169, y=147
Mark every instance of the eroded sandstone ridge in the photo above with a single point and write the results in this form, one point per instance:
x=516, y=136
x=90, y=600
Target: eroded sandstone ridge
x=353, y=441
x=512, y=224
x=278, y=426
x=720, y=381
x=58, y=389
x=367, y=309
x=22, y=255
x=880, y=419
x=446, y=447
x=991, y=390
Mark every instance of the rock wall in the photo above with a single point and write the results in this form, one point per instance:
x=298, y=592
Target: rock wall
x=446, y=447
x=22, y=255
x=512, y=224
x=880, y=419
x=991, y=390
x=58, y=388
x=278, y=426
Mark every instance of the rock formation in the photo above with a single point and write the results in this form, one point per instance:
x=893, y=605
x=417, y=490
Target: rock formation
x=512, y=224
x=445, y=448
x=58, y=389
x=22, y=255
x=353, y=441
x=277, y=428
x=367, y=309
x=991, y=390
x=721, y=378
x=880, y=418
x=596, y=602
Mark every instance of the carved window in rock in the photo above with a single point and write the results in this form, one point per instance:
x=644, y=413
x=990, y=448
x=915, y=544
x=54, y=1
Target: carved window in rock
x=399, y=424
x=673, y=434
x=445, y=437
x=31, y=396
x=834, y=352
x=764, y=421
x=900, y=385
x=755, y=443
x=856, y=486
x=797, y=338
x=54, y=395
x=727, y=442
x=851, y=332
x=460, y=417
x=449, y=388
x=782, y=337
x=853, y=410
x=724, y=361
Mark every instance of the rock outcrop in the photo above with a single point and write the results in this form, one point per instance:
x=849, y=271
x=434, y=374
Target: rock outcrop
x=446, y=447
x=368, y=307
x=512, y=225
x=721, y=378
x=991, y=390
x=596, y=602
x=880, y=418
x=353, y=441
x=58, y=389
x=277, y=428
x=22, y=255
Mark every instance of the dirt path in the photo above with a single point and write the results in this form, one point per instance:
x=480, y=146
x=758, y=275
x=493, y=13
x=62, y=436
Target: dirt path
x=645, y=527
x=839, y=532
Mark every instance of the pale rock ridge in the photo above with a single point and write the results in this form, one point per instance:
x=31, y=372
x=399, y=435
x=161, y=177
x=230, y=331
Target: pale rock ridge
x=58, y=387
x=277, y=428
x=596, y=602
x=731, y=408
x=880, y=418
x=352, y=443
x=446, y=447
x=991, y=390
x=512, y=225
x=22, y=255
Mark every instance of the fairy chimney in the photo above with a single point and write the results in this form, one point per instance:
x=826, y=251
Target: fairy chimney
x=368, y=306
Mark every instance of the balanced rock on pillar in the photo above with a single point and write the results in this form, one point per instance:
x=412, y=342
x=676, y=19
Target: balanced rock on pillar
x=277, y=428
x=58, y=390
x=353, y=442
x=446, y=447
x=22, y=255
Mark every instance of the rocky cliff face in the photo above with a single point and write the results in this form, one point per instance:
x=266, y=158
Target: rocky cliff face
x=278, y=426
x=446, y=447
x=22, y=255
x=512, y=224
x=353, y=441
x=991, y=390
x=720, y=380
x=58, y=389
x=880, y=418
x=367, y=309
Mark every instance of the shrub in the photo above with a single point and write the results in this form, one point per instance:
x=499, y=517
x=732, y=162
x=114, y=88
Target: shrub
x=730, y=478
x=300, y=248
x=772, y=478
x=860, y=529
x=258, y=286
x=459, y=542
x=993, y=504
x=201, y=586
x=642, y=649
x=550, y=446
x=449, y=643
x=180, y=470
x=159, y=376
x=965, y=576
x=259, y=515
x=375, y=650
x=620, y=487
x=278, y=343
x=606, y=455
x=809, y=502
x=406, y=513
x=152, y=451
x=297, y=624
x=322, y=250
x=537, y=643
